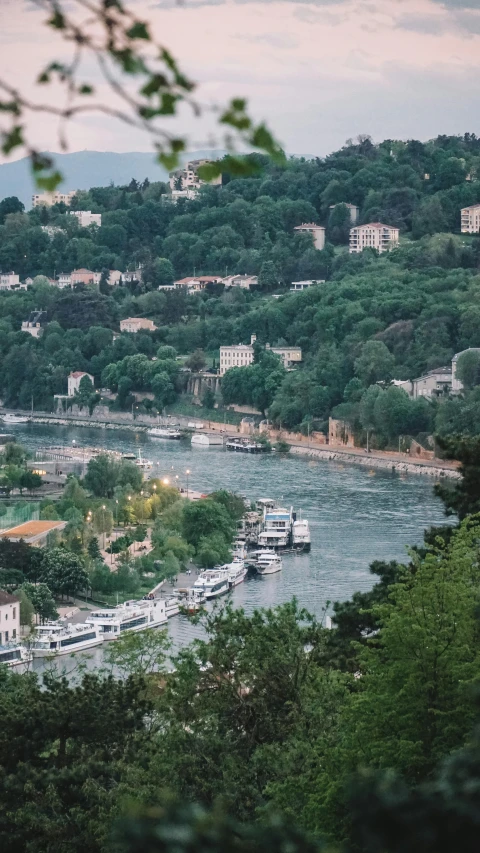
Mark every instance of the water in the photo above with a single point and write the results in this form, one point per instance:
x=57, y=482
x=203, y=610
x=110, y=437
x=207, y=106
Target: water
x=356, y=515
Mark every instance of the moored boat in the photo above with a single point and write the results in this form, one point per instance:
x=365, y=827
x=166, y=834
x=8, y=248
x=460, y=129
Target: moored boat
x=301, y=535
x=201, y=439
x=130, y=616
x=55, y=638
x=267, y=562
x=165, y=432
x=15, y=419
x=213, y=582
x=15, y=655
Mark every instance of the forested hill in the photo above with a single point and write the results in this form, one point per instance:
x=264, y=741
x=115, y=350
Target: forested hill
x=374, y=319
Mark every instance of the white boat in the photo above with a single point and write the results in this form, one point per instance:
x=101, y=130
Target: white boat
x=277, y=527
x=55, y=638
x=15, y=419
x=239, y=549
x=267, y=562
x=212, y=582
x=165, y=432
x=190, y=599
x=172, y=606
x=245, y=445
x=301, y=535
x=15, y=655
x=130, y=616
x=202, y=440
x=237, y=572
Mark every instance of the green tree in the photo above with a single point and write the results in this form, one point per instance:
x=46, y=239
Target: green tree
x=42, y=601
x=468, y=369
x=63, y=572
x=375, y=363
x=204, y=518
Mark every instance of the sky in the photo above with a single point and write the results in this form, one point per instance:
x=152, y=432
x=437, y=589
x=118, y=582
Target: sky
x=317, y=72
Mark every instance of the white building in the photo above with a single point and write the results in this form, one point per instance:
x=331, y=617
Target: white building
x=132, y=275
x=353, y=210
x=457, y=385
x=298, y=286
x=470, y=219
x=187, y=177
x=137, y=324
x=244, y=281
x=9, y=617
x=190, y=195
x=64, y=280
x=9, y=281
x=197, y=283
x=85, y=218
x=35, y=324
x=74, y=380
x=435, y=383
x=241, y=355
x=317, y=232
x=48, y=199
x=374, y=235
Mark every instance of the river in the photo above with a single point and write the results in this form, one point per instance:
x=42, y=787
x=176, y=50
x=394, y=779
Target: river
x=356, y=515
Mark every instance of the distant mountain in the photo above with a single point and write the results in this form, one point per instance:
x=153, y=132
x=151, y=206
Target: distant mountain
x=85, y=169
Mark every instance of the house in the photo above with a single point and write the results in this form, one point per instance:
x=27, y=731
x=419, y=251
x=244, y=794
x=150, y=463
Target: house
x=115, y=277
x=243, y=281
x=317, y=232
x=32, y=532
x=187, y=177
x=241, y=355
x=64, y=280
x=9, y=281
x=435, y=383
x=83, y=276
x=35, y=324
x=132, y=275
x=298, y=286
x=137, y=324
x=374, y=235
x=353, y=210
x=470, y=219
x=85, y=218
x=74, y=380
x=9, y=618
x=48, y=199
x=195, y=284
x=457, y=385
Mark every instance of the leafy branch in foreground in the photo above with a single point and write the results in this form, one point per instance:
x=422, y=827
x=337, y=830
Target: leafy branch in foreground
x=110, y=38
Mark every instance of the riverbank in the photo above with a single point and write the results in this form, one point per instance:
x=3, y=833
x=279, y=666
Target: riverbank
x=389, y=461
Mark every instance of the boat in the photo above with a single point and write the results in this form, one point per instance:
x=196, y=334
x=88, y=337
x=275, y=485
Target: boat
x=213, y=582
x=239, y=549
x=201, y=439
x=15, y=419
x=190, y=599
x=165, y=432
x=15, y=655
x=246, y=445
x=267, y=562
x=172, y=607
x=129, y=457
x=277, y=528
x=237, y=572
x=301, y=534
x=130, y=616
x=56, y=638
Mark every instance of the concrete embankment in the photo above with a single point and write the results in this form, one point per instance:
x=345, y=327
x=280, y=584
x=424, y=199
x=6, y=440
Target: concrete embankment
x=371, y=460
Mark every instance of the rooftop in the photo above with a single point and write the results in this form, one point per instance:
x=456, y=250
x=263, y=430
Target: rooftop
x=32, y=529
x=374, y=225
x=6, y=598
x=308, y=225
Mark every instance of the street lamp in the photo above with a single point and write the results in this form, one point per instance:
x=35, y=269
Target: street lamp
x=165, y=481
x=187, y=472
x=103, y=525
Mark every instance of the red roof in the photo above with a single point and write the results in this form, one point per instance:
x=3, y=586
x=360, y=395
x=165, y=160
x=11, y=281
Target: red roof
x=375, y=225
x=78, y=373
x=308, y=225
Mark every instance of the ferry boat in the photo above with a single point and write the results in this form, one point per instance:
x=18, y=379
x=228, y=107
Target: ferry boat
x=130, y=616
x=15, y=419
x=202, y=440
x=165, y=432
x=267, y=562
x=213, y=582
x=55, y=638
x=172, y=607
x=237, y=572
x=301, y=535
x=15, y=655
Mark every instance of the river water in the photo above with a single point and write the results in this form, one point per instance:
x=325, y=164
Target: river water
x=356, y=515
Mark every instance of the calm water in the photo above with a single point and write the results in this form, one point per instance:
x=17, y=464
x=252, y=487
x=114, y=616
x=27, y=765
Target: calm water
x=356, y=515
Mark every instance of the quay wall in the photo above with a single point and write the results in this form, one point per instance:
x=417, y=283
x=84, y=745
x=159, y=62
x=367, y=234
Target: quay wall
x=386, y=463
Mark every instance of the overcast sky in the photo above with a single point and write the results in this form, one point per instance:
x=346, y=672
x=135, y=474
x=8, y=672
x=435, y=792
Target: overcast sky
x=318, y=72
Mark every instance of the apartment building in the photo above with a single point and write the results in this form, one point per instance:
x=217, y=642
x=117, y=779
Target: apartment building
x=352, y=208
x=49, y=199
x=187, y=177
x=470, y=219
x=241, y=355
x=137, y=324
x=9, y=618
x=9, y=281
x=74, y=380
x=84, y=276
x=317, y=232
x=435, y=383
x=85, y=218
x=374, y=235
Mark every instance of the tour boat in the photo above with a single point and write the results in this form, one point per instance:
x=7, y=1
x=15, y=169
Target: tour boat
x=165, y=432
x=172, y=607
x=267, y=562
x=130, y=616
x=301, y=535
x=55, y=638
x=15, y=655
x=203, y=440
x=237, y=572
x=190, y=599
x=15, y=419
x=213, y=582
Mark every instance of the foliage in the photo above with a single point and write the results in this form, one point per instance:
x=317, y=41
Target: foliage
x=104, y=474
x=63, y=572
x=42, y=601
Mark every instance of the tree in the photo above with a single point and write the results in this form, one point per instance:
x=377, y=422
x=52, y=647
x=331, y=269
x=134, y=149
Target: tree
x=196, y=361
x=30, y=480
x=213, y=550
x=208, y=399
x=461, y=497
x=468, y=369
x=204, y=518
x=102, y=475
x=104, y=283
x=268, y=276
x=42, y=601
x=8, y=205
x=375, y=363
x=26, y=607
x=160, y=273
x=139, y=653
x=63, y=572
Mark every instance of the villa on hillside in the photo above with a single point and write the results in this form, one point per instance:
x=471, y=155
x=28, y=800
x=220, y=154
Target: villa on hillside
x=317, y=232
x=241, y=355
x=137, y=324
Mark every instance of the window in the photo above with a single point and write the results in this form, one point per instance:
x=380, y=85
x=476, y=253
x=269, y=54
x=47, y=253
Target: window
x=14, y=612
x=14, y=633
x=6, y=636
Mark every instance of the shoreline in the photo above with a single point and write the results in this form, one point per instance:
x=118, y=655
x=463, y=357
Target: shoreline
x=380, y=460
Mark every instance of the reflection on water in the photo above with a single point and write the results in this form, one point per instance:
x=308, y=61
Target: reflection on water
x=356, y=516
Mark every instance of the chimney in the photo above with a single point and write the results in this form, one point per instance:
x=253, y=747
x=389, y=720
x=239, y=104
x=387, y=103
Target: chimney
x=253, y=338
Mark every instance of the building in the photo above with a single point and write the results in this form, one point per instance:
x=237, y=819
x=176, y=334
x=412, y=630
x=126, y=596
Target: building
x=83, y=276
x=243, y=281
x=32, y=532
x=353, y=210
x=241, y=355
x=9, y=281
x=132, y=275
x=49, y=199
x=35, y=324
x=9, y=618
x=298, y=286
x=115, y=277
x=64, y=280
x=85, y=218
x=457, y=385
x=137, y=324
x=374, y=235
x=435, y=383
x=74, y=380
x=51, y=230
x=470, y=219
x=190, y=195
x=197, y=283
x=187, y=177
x=317, y=232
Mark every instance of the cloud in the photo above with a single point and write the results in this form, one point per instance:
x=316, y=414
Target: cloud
x=280, y=40
x=431, y=25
